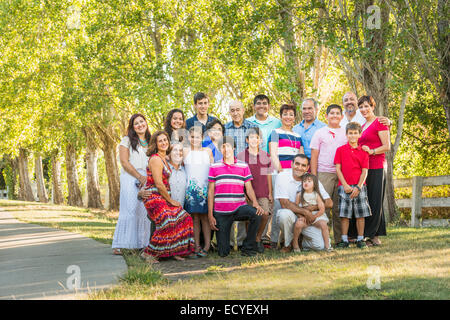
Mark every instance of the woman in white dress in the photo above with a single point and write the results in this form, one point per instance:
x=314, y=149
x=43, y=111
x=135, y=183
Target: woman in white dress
x=133, y=226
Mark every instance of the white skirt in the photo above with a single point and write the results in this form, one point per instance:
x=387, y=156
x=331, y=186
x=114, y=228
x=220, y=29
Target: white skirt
x=133, y=226
x=322, y=217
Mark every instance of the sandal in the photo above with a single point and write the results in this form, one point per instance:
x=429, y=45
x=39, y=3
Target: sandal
x=371, y=243
x=148, y=258
x=117, y=252
x=202, y=253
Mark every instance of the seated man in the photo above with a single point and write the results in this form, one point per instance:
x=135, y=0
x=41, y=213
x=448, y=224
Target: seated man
x=286, y=188
x=226, y=200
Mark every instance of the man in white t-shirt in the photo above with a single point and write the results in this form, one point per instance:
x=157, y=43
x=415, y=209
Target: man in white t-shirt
x=352, y=113
x=287, y=185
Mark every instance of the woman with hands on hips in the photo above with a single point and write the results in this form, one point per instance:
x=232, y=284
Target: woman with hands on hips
x=133, y=227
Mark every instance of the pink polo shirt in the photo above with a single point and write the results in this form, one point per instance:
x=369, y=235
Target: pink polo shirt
x=229, y=193
x=327, y=140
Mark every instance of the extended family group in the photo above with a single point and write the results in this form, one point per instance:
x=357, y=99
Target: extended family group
x=256, y=184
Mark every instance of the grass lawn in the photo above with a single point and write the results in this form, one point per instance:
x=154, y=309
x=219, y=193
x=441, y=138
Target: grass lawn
x=411, y=264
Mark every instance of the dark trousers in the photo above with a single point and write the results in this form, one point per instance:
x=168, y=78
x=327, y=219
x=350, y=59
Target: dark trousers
x=375, y=225
x=224, y=223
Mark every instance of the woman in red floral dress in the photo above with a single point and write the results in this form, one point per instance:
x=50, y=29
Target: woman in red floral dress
x=173, y=236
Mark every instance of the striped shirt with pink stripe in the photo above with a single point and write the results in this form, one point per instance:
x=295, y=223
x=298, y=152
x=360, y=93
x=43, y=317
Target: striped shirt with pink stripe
x=229, y=185
x=289, y=143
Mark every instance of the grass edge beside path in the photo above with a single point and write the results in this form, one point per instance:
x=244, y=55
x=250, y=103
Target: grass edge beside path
x=411, y=264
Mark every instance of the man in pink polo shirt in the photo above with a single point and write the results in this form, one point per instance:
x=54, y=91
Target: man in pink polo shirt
x=323, y=149
x=227, y=203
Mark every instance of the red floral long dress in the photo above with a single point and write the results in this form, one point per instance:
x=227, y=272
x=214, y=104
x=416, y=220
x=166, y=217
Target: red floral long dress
x=174, y=227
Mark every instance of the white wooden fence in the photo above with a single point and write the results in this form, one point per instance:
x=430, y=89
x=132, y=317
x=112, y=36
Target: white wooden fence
x=417, y=202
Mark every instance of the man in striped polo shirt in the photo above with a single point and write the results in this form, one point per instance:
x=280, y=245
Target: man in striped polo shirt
x=227, y=203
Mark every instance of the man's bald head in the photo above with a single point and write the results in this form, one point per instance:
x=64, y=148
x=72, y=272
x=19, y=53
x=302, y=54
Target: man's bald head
x=350, y=102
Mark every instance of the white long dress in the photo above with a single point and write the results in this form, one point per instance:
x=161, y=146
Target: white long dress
x=133, y=226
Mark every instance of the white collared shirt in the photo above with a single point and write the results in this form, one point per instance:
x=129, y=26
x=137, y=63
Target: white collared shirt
x=286, y=187
x=357, y=118
x=177, y=182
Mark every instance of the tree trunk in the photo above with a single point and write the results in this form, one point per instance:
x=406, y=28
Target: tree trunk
x=25, y=190
x=443, y=38
x=11, y=176
x=74, y=198
x=293, y=64
x=42, y=192
x=112, y=172
x=375, y=83
x=56, y=179
x=93, y=186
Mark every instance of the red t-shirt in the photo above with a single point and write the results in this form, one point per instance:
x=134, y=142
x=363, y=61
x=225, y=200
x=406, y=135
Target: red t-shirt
x=260, y=166
x=352, y=161
x=370, y=138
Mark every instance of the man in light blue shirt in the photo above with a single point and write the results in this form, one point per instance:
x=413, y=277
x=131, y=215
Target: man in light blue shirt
x=309, y=124
x=263, y=120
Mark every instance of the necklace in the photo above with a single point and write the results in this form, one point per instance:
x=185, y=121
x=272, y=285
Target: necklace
x=368, y=124
x=143, y=143
x=291, y=142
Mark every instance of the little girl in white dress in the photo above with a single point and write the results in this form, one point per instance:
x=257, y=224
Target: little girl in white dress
x=309, y=195
x=197, y=161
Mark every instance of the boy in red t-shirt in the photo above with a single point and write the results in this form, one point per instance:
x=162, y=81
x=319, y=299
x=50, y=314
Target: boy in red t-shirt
x=352, y=164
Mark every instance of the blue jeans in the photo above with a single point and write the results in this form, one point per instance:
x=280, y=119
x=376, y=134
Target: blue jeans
x=224, y=223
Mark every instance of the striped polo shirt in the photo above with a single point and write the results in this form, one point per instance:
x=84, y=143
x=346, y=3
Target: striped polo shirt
x=229, y=185
x=289, y=144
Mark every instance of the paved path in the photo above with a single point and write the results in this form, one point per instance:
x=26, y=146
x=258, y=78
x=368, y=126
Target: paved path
x=43, y=263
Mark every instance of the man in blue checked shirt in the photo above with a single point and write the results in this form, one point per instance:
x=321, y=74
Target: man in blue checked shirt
x=309, y=124
x=238, y=127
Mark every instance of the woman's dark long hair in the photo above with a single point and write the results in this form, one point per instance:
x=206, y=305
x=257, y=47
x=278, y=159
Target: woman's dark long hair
x=134, y=138
x=167, y=123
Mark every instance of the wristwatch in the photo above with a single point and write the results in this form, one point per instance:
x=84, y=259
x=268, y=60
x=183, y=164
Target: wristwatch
x=373, y=153
x=357, y=187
